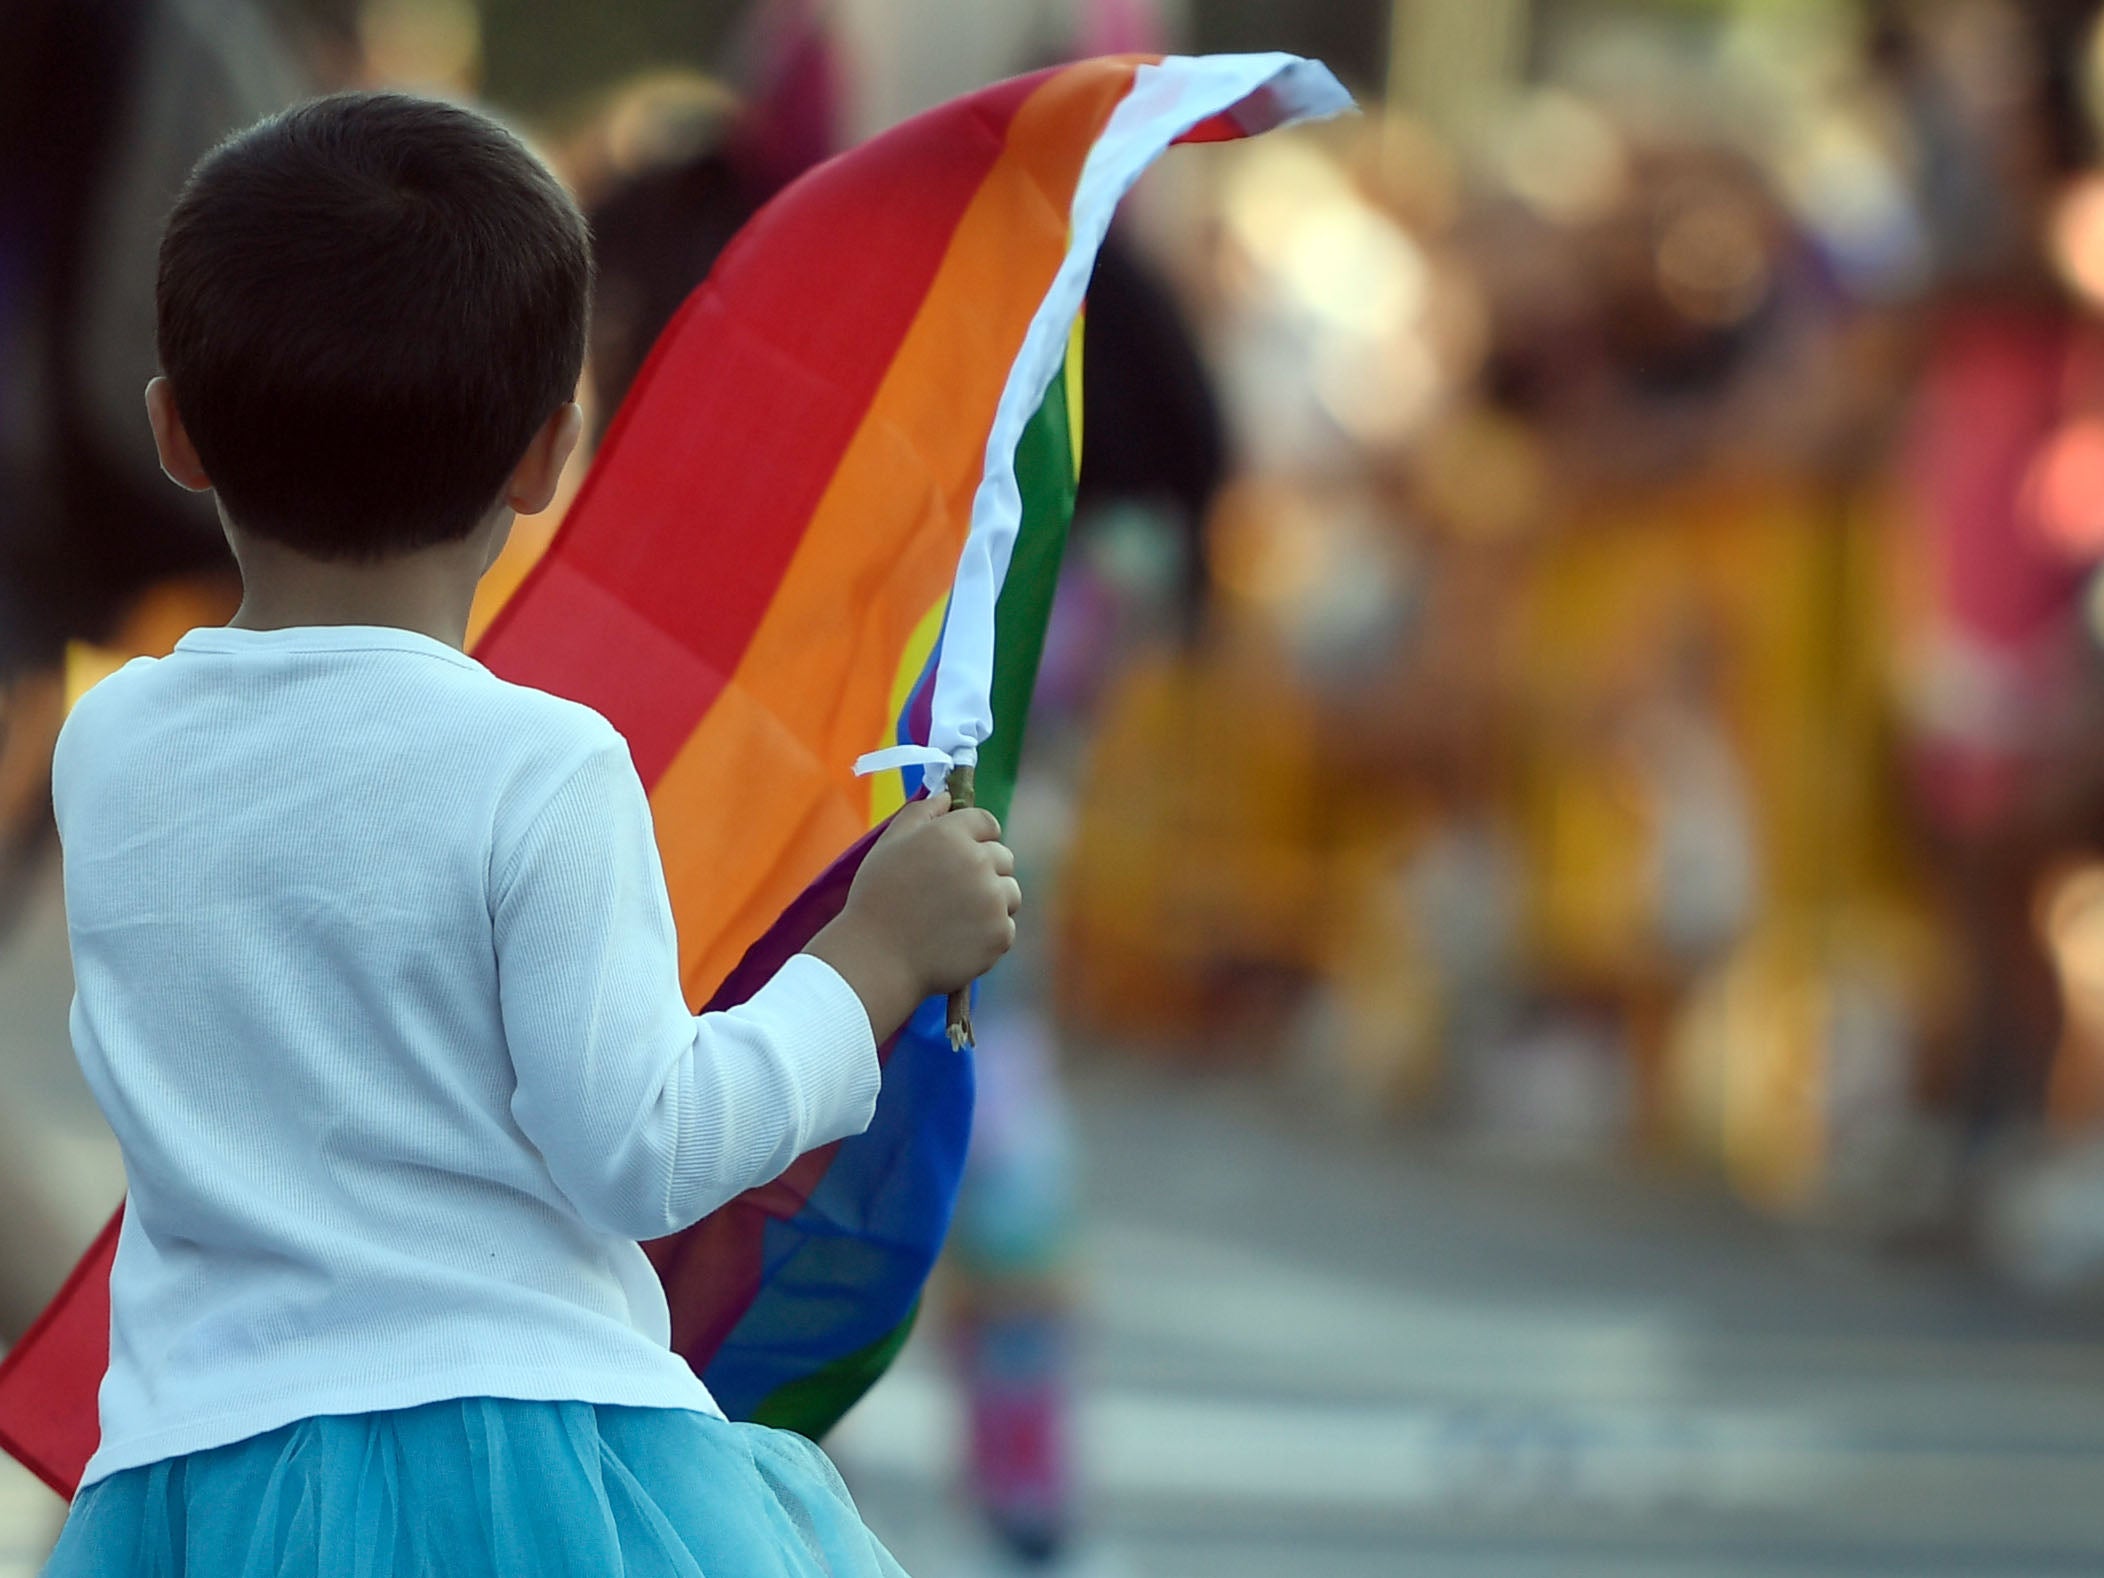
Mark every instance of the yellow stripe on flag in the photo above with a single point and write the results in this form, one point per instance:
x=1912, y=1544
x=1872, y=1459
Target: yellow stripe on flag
x=887, y=791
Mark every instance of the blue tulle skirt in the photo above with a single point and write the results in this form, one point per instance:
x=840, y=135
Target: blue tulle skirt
x=479, y=1487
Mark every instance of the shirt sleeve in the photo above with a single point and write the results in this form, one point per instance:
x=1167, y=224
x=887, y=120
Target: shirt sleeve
x=648, y=1116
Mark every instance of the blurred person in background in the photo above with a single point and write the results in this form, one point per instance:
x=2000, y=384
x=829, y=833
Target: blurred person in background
x=1135, y=580
x=2003, y=654
x=104, y=106
x=2004, y=693
x=108, y=103
x=1658, y=677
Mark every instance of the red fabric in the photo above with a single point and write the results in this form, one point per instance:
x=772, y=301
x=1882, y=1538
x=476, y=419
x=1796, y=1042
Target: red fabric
x=1993, y=392
x=1225, y=127
x=1996, y=387
x=49, y=1379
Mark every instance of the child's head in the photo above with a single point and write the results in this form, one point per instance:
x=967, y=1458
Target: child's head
x=368, y=307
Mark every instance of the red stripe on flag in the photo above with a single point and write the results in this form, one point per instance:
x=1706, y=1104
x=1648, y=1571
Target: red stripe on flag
x=1224, y=127
x=819, y=338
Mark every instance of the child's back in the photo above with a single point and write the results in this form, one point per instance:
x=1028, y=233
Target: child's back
x=377, y=980
x=296, y=860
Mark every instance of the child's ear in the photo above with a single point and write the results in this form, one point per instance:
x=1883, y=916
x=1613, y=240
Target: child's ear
x=178, y=454
x=534, y=480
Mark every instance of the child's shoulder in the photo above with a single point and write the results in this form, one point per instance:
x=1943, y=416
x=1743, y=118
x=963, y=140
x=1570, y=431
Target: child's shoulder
x=542, y=740
x=100, y=718
x=503, y=725
x=122, y=690
x=566, y=724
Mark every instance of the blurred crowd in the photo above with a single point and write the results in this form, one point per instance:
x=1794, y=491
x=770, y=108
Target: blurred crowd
x=1584, y=627
x=1647, y=697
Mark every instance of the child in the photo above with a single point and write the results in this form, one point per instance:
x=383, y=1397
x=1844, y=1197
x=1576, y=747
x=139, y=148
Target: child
x=377, y=980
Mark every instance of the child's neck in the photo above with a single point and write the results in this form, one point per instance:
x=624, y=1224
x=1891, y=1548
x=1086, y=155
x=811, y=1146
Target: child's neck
x=429, y=591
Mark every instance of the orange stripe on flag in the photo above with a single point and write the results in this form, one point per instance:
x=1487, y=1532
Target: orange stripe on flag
x=813, y=684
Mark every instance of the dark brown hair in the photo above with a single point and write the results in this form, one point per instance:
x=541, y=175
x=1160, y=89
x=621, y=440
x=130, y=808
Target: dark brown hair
x=367, y=307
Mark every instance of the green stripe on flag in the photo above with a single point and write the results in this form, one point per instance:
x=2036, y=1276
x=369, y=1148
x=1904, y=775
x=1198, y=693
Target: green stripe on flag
x=815, y=1403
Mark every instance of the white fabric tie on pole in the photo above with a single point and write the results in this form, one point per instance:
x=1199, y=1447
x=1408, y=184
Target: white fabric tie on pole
x=934, y=765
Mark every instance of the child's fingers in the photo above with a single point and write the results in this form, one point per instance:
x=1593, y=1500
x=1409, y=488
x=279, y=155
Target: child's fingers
x=914, y=812
x=977, y=824
x=1013, y=891
x=1004, y=859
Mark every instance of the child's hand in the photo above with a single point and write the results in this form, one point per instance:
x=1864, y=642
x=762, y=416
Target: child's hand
x=932, y=909
x=944, y=885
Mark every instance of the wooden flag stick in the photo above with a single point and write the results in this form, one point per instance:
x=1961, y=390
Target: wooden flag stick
x=960, y=1017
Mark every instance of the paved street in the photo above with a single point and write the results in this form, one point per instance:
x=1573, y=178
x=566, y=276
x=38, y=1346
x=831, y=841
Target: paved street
x=1345, y=1358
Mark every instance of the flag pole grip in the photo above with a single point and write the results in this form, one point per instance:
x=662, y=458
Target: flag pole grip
x=960, y=1014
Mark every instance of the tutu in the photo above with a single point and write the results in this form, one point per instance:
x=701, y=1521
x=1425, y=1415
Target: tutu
x=477, y=1487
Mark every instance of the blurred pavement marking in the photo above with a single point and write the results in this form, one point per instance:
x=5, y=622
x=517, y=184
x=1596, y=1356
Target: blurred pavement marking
x=29, y=1519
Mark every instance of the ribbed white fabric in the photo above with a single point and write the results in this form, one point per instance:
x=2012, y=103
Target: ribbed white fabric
x=377, y=985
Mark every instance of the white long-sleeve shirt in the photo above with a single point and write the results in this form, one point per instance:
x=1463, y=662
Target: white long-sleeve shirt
x=377, y=984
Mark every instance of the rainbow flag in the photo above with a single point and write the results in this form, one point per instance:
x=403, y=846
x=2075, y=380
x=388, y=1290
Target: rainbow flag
x=827, y=519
